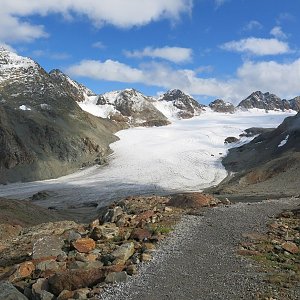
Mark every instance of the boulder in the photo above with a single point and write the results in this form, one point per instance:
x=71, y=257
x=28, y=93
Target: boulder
x=84, y=245
x=123, y=253
x=116, y=277
x=290, y=247
x=47, y=246
x=230, y=140
x=110, y=214
x=9, y=292
x=23, y=270
x=192, y=200
x=140, y=234
x=107, y=231
x=75, y=279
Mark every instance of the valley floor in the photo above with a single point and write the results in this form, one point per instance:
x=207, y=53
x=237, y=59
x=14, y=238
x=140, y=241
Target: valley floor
x=184, y=156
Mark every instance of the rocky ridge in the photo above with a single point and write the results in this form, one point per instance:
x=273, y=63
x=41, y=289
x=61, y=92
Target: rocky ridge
x=43, y=131
x=268, y=164
x=221, y=106
x=131, y=107
x=268, y=101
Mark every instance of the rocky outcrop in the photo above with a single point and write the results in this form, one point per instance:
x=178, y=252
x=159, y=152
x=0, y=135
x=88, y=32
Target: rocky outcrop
x=270, y=162
x=73, y=88
x=268, y=102
x=43, y=132
x=221, y=106
x=184, y=106
x=131, y=107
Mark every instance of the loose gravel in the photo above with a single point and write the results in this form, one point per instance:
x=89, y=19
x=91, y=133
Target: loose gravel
x=198, y=260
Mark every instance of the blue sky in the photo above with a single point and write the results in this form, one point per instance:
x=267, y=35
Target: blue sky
x=208, y=48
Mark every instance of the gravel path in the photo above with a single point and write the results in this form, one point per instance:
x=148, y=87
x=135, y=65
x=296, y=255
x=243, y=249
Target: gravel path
x=198, y=260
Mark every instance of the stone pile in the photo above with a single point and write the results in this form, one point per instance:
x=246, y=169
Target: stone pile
x=66, y=260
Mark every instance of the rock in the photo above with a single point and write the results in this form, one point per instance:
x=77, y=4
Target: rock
x=107, y=259
x=73, y=236
x=50, y=265
x=230, y=140
x=131, y=270
x=110, y=215
x=146, y=257
x=107, y=231
x=192, y=200
x=9, y=292
x=140, y=234
x=75, y=279
x=123, y=253
x=246, y=252
x=47, y=296
x=24, y=270
x=148, y=247
x=75, y=265
x=84, y=245
x=65, y=295
x=8, y=231
x=221, y=106
x=290, y=247
x=81, y=294
x=40, y=285
x=47, y=246
x=168, y=209
x=115, y=277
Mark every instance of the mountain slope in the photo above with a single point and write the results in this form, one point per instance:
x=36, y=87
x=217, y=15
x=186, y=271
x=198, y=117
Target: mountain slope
x=43, y=132
x=269, y=163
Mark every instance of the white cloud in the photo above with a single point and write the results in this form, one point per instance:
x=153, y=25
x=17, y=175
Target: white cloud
x=109, y=70
x=219, y=3
x=51, y=55
x=174, y=54
x=120, y=13
x=257, y=46
x=278, y=33
x=281, y=79
x=98, y=45
x=251, y=25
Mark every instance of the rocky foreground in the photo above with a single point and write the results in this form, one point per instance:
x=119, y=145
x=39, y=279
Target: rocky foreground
x=68, y=260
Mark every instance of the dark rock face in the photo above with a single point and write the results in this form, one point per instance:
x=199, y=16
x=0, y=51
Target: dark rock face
x=73, y=88
x=273, y=156
x=43, y=131
x=230, y=140
x=188, y=107
x=295, y=103
x=133, y=108
x=221, y=106
x=269, y=101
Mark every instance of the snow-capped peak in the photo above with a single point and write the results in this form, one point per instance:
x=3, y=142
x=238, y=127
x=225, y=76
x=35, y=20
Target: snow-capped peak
x=10, y=63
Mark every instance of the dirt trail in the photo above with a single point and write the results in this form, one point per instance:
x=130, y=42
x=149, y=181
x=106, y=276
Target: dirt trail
x=199, y=261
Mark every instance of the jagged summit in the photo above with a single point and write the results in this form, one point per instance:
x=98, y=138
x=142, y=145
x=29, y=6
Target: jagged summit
x=184, y=106
x=220, y=105
x=132, y=107
x=15, y=67
x=78, y=90
x=265, y=101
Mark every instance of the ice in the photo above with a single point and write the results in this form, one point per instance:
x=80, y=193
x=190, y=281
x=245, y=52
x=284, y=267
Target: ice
x=283, y=142
x=24, y=107
x=183, y=156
